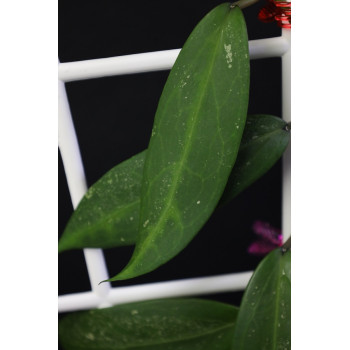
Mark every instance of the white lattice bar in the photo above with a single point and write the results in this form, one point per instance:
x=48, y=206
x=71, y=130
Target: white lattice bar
x=78, y=301
x=154, y=61
x=187, y=287
x=74, y=169
x=69, y=148
x=286, y=160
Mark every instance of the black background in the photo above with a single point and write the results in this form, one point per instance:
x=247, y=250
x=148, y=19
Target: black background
x=113, y=119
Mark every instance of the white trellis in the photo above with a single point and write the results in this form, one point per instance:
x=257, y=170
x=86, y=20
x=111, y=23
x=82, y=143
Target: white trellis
x=104, y=295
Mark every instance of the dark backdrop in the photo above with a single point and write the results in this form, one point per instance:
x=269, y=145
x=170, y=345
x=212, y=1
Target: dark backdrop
x=113, y=118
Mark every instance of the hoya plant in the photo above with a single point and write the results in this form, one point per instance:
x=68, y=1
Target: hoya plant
x=203, y=151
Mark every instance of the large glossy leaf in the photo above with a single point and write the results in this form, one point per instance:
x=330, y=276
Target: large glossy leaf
x=108, y=214
x=195, y=139
x=186, y=324
x=264, y=318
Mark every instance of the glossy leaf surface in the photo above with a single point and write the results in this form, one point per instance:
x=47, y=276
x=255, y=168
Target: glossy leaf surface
x=264, y=318
x=174, y=324
x=108, y=214
x=264, y=140
x=195, y=139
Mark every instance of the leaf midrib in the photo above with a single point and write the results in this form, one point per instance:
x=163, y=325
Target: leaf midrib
x=101, y=221
x=186, y=152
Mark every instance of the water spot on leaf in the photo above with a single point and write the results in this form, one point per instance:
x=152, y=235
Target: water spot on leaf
x=228, y=54
x=90, y=336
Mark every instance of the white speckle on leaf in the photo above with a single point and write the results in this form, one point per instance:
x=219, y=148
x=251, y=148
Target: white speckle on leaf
x=145, y=223
x=89, y=193
x=228, y=54
x=134, y=312
x=122, y=239
x=90, y=336
x=131, y=218
x=198, y=202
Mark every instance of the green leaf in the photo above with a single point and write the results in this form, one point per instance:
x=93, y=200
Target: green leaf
x=264, y=316
x=174, y=324
x=264, y=140
x=195, y=139
x=108, y=214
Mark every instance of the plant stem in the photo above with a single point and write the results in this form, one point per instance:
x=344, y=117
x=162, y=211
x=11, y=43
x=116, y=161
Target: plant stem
x=286, y=246
x=288, y=127
x=243, y=3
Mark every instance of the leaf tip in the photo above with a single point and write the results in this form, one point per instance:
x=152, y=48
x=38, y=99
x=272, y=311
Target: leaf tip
x=122, y=275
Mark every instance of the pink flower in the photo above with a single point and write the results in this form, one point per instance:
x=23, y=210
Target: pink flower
x=270, y=238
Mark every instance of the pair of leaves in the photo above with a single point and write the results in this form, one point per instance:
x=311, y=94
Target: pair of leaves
x=263, y=320
x=108, y=214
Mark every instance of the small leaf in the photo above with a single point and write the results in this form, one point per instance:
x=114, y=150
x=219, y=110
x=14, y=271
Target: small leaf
x=108, y=214
x=264, y=140
x=195, y=139
x=264, y=317
x=174, y=324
